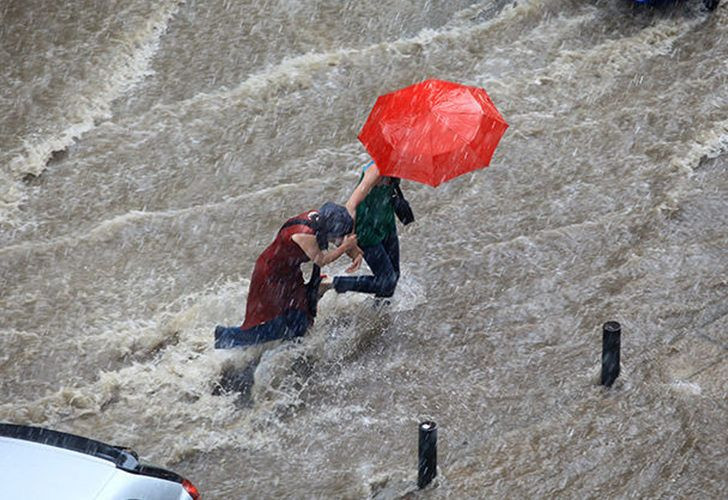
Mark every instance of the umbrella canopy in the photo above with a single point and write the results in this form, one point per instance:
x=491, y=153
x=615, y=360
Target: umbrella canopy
x=432, y=131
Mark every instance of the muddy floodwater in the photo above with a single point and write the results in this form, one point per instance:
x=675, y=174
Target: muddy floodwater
x=150, y=150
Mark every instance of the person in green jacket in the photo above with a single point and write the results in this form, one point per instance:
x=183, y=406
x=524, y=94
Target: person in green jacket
x=371, y=207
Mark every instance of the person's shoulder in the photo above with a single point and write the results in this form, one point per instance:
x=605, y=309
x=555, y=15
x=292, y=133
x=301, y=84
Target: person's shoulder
x=368, y=165
x=371, y=171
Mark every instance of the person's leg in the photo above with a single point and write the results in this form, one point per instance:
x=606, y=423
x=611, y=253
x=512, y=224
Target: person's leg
x=225, y=336
x=234, y=336
x=383, y=281
x=297, y=322
x=391, y=247
x=287, y=326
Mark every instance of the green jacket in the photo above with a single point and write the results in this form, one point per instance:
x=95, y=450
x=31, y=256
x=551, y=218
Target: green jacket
x=375, y=215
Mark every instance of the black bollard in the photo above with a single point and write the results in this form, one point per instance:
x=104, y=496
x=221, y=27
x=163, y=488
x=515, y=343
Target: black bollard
x=427, y=452
x=611, y=333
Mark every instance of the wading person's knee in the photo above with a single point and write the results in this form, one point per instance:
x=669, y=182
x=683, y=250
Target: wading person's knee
x=388, y=284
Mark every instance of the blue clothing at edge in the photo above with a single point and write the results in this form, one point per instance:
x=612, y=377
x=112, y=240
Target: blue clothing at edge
x=292, y=324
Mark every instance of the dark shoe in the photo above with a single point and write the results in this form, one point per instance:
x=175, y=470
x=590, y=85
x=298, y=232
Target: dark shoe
x=382, y=302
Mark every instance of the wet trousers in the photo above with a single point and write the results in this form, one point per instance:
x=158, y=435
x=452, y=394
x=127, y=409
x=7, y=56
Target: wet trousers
x=292, y=324
x=383, y=260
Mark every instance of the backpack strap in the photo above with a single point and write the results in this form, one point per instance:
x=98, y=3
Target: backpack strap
x=315, y=224
x=300, y=222
x=401, y=206
x=395, y=186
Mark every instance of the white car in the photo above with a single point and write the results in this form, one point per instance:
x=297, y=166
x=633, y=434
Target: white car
x=38, y=463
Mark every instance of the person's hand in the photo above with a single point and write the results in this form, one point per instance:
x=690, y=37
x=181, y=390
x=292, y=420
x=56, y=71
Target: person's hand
x=355, y=263
x=349, y=241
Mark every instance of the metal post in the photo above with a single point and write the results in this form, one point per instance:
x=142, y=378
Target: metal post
x=611, y=333
x=427, y=451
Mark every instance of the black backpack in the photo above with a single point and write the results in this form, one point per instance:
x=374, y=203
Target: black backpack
x=402, y=208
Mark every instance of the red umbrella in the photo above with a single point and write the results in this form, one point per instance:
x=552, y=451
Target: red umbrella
x=432, y=131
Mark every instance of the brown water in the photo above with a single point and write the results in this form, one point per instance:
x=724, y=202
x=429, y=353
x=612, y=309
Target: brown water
x=150, y=150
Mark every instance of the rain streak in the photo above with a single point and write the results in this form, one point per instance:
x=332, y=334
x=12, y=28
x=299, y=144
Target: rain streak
x=151, y=150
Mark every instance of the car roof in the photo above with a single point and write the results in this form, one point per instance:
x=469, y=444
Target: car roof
x=33, y=470
x=43, y=463
x=122, y=458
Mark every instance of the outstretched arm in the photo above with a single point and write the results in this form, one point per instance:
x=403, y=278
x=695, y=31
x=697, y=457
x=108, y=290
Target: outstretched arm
x=357, y=255
x=371, y=177
x=308, y=244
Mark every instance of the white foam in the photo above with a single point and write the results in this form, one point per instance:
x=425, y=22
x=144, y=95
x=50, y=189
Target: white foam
x=708, y=143
x=129, y=66
x=688, y=388
x=293, y=73
x=107, y=229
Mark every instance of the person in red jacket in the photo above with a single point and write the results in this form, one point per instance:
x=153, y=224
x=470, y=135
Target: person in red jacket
x=280, y=304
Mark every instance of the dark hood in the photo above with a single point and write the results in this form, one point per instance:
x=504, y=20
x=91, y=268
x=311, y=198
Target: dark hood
x=334, y=221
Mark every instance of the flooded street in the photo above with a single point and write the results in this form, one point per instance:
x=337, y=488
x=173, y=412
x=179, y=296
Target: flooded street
x=150, y=150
